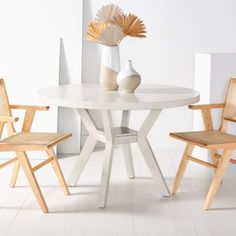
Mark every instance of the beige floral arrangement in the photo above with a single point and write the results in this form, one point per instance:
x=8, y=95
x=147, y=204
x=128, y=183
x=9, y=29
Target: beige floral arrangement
x=111, y=26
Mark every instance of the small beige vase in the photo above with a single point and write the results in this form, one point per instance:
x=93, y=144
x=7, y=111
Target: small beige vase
x=128, y=79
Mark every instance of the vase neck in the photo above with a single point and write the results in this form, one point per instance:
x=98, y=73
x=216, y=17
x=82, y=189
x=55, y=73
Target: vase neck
x=129, y=65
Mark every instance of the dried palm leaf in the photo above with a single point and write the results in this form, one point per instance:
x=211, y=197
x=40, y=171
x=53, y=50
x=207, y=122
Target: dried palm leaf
x=111, y=35
x=94, y=31
x=131, y=25
x=107, y=13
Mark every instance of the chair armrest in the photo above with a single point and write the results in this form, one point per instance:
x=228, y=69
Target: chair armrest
x=29, y=114
x=8, y=119
x=206, y=106
x=230, y=118
x=30, y=107
x=206, y=113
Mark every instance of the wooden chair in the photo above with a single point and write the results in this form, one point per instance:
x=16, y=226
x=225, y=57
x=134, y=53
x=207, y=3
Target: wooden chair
x=28, y=141
x=212, y=140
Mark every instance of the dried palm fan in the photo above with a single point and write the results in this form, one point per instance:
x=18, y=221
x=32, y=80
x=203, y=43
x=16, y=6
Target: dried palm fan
x=107, y=13
x=94, y=31
x=111, y=35
x=131, y=25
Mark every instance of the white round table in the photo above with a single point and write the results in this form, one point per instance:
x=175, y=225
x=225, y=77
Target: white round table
x=87, y=97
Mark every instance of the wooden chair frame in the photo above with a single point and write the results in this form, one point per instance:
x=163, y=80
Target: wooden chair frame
x=21, y=159
x=219, y=162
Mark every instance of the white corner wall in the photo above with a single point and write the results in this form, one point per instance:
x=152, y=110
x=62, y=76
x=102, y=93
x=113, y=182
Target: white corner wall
x=176, y=30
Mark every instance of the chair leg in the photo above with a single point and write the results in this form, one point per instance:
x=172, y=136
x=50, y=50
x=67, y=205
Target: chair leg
x=215, y=161
x=14, y=175
x=57, y=170
x=182, y=167
x=224, y=161
x=25, y=164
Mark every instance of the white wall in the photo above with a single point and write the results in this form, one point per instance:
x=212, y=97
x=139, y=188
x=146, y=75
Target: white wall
x=51, y=18
x=176, y=31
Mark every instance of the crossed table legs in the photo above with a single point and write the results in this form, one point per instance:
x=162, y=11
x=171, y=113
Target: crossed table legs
x=118, y=135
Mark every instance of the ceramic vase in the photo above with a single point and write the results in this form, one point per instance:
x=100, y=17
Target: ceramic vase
x=110, y=66
x=128, y=79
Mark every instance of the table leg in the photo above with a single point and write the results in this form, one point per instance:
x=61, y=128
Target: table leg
x=148, y=154
x=87, y=148
x=109, y=148
x=127, y=147
x=106, y=173
x=82, y=161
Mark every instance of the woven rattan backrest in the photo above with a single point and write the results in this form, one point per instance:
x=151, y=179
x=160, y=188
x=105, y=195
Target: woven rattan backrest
x=5, y=109
x=4, y=102
x=230, y=101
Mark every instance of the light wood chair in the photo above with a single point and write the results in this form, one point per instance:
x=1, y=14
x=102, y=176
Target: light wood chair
x=21, y=142
x=211, y=139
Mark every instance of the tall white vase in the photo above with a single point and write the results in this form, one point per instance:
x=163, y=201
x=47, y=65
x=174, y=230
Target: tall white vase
x=128, y=79
x=110, y=66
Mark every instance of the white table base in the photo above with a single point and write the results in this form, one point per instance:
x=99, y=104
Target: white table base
x=118, y=135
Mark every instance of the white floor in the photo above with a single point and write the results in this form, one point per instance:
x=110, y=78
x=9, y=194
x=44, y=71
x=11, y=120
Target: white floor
x=134, y=206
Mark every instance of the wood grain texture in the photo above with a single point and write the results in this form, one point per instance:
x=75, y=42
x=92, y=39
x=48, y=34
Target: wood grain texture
x=31, y=141
x=14, y=175
x=57, y=169
x=29, y=107
x=8, y=119
x=213, y=140
x=8, y=162
x=182, y=167
x=25, y=141
x=204, y=163
x=206, y=106
x=28, y=120
x=208, y=139
x=217, y=178
x=24, y=161
x=208, y=123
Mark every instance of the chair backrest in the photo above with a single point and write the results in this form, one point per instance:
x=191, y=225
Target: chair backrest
x=5, y=109
x=229, y=111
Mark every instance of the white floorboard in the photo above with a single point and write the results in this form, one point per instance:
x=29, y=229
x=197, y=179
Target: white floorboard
x=134, y=207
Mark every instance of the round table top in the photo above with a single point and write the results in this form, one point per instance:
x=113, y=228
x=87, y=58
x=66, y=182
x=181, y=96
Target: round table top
x=91, y=96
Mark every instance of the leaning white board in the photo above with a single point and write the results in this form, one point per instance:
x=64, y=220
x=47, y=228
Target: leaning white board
x=27, y=64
